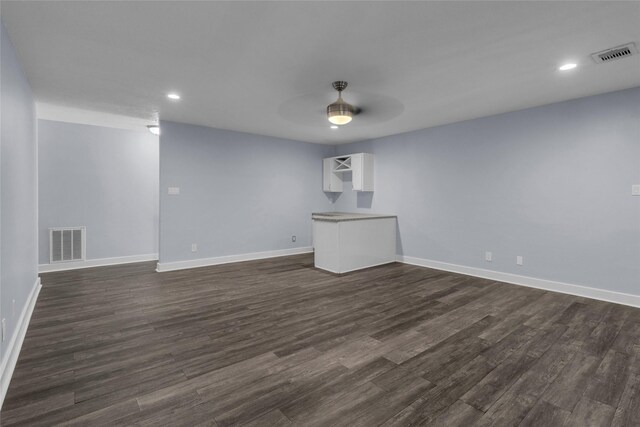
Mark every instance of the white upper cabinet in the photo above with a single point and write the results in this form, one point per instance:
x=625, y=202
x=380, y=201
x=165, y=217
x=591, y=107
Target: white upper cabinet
x=360, y=165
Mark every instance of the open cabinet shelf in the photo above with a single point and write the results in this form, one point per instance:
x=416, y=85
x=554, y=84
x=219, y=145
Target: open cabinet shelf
x=342, y=164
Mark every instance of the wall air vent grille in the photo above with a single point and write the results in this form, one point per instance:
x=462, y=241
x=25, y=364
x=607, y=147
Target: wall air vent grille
x=66, y=244
x=615, y=53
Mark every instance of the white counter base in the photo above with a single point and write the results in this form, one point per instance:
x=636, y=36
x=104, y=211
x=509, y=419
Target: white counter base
x=342, y=246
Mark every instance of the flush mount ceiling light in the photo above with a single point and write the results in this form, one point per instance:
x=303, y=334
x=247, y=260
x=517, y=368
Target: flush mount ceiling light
x=567, y=67
x=173, y=96
x=340, y=112
x=154, y=129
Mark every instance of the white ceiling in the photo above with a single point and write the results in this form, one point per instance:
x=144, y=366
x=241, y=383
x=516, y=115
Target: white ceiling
x=267, y=67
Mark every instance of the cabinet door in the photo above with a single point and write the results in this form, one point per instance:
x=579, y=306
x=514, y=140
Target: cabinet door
x=367, y=172
x=362, y=174
x=356, y=171
x=331, y=182
x=326, y=175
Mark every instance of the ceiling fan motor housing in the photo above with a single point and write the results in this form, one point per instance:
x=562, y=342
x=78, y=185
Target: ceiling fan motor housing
x=340, y=112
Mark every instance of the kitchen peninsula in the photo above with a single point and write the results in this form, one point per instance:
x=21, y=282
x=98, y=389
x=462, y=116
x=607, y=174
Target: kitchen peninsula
x=345, y=242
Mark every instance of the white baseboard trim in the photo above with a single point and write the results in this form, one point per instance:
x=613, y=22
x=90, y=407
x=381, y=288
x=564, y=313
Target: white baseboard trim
x=531, y=282
x=204, y=262
x=99, y=262
x=13, y=347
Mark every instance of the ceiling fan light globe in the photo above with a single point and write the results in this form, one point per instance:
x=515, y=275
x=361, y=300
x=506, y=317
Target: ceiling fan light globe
x=340, y=119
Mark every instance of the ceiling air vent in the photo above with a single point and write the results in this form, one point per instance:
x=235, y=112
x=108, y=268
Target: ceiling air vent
x=614, y=53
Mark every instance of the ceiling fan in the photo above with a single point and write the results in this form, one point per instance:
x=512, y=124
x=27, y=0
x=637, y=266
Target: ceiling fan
x=340, y=112
x=371, y=108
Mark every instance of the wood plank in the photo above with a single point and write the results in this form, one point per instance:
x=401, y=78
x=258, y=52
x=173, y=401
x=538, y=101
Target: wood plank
x=297, y=406
x=457, y=414
x=513, y=406
x=273, y=418
x=590, y=413
x=439, y=398
x=379, y=409
x=566, y=389
x=511, y=367
x=627, y=339
x=628, y=412
x=545, y=414
x=606, y=332
x=38, y=408
x=607, y=385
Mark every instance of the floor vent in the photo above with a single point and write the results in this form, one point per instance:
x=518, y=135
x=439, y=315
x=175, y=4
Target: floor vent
x=614, y=53
x=66, y=244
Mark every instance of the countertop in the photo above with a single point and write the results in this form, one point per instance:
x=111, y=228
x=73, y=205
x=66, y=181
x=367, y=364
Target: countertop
x=346, y=216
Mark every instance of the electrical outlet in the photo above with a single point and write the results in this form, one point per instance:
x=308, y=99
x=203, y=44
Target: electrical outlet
x=488, y=256
x=519, y=260
x=194, y=247
x=635, y=190
x=293, y=238
x=4, y=328
x=13, y=308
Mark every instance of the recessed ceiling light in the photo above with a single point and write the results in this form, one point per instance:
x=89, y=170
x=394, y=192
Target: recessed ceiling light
x=568, y=66
x=173, y=96
x=154, y=129
x=334, y=127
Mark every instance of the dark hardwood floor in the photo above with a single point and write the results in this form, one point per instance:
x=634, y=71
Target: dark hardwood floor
x=277, y=342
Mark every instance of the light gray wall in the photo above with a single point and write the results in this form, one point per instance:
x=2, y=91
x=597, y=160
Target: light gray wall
x=239, y=193
x=103, y=178
x=552, y=184
x=19, y=195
